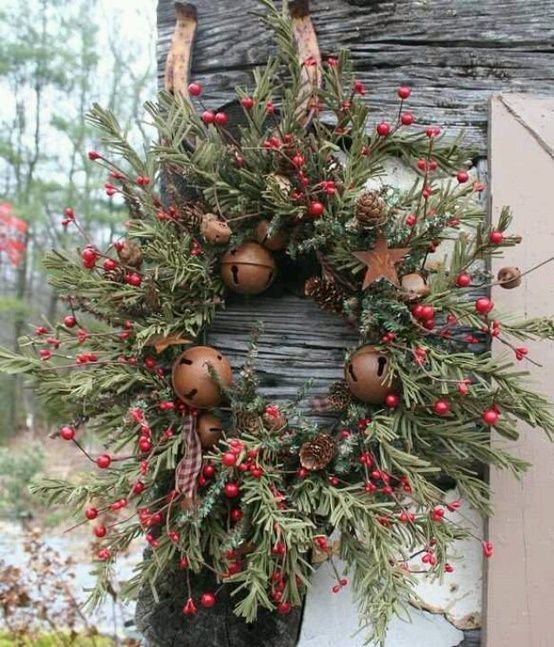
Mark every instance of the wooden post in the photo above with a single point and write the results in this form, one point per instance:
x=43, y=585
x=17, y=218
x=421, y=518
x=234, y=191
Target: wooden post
x=520, y=576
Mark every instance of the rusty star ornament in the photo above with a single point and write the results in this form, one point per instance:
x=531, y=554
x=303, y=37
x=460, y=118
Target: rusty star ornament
x=381, y=261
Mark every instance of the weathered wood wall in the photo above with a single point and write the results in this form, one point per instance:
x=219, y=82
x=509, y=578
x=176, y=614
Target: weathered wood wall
x=454, y=53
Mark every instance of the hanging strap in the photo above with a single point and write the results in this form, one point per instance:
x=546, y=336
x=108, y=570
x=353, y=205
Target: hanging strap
x=309, y=58
x=179, y=57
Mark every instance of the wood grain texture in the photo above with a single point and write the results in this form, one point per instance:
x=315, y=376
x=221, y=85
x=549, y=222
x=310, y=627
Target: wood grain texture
x=522, y=529
x=454, y=53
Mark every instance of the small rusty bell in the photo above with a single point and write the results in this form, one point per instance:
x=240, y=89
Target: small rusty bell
x=275, y=242
x=414, y=287
x=509, y=277
x=209, y=430
x=191, y=377
x=248, y=269
x=365, y=374
x=214, y=230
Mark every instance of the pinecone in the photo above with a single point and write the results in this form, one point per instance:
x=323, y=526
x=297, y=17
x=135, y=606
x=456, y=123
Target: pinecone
x=151, y=295
x=370, y=209
x=130, y=254
x=339, y=397
x=117, y=275
x=325, y=293
x=248, y=422
x=317, y=453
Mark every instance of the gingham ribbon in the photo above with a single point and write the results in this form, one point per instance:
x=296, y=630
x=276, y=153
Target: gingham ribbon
x=190, y=465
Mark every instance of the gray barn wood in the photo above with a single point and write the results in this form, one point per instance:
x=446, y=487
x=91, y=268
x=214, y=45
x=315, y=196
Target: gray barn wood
x=454, y=53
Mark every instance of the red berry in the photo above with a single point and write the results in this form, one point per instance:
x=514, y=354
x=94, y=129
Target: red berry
x=490, y=417
x=496, y=237
x=298, y=160
x=284, y=608
x=100, y=531
x=463, y=280
x=94, y=155
x=184, y=562
x=407, y=119
x=221, y=118
x=145, y=445
x=383, y=129
x=483, y=305
x=89, y=257
x=427, y=312
x=316, y=209
x=235, y=514
x=462, y=176
x=229, y=459
x=487, y=549
x=190, y=608
x=404, y=92
x=208, y=117
x=195, y=89
x=359, y=87
x=208, y=471
x=441, y=407
x=104, y=461
x=138, y=487
x=421, y=164
x=67, y=433
x=392, y=400
x=247, y=102
x=109, y=264
x=103, y=554
x=70, y=321
x=207, y=600
x=231, y=490
x=91, y=513
x=411, y=220
x=134, y=279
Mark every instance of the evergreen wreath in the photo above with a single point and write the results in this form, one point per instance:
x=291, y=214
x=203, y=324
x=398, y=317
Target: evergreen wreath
x=196, y=460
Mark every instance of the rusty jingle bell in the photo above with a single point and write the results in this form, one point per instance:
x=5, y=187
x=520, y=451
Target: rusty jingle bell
x=248, y=269
x=414, y=286
x=214, y=230
x=365, y=374
x=209, y=430
x=191, y=377
x=275, y=242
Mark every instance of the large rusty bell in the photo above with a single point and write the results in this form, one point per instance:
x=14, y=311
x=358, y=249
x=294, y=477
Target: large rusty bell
x=191, y=377
x=365, y=374
x=248, y=269
x=209, y=430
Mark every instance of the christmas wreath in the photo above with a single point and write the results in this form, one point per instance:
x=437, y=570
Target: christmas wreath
x=196, y=460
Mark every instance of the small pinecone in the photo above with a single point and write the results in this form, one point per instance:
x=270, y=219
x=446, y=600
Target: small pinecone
x=132, y=203
x=317, y=453
x=130, y=254
x=117, y=275
x=248, y=422
x=370, y=209
x=152, y=296
x=325, y=293
x=339, y=397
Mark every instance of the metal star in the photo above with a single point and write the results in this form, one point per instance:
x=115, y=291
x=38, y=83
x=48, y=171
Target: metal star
x=381, y=261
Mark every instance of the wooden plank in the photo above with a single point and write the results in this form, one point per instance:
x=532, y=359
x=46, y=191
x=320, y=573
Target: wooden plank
x=520, y=577
x=454, y=53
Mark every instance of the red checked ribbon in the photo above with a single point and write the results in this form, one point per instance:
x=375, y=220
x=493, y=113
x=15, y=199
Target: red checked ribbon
x=189, y=466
